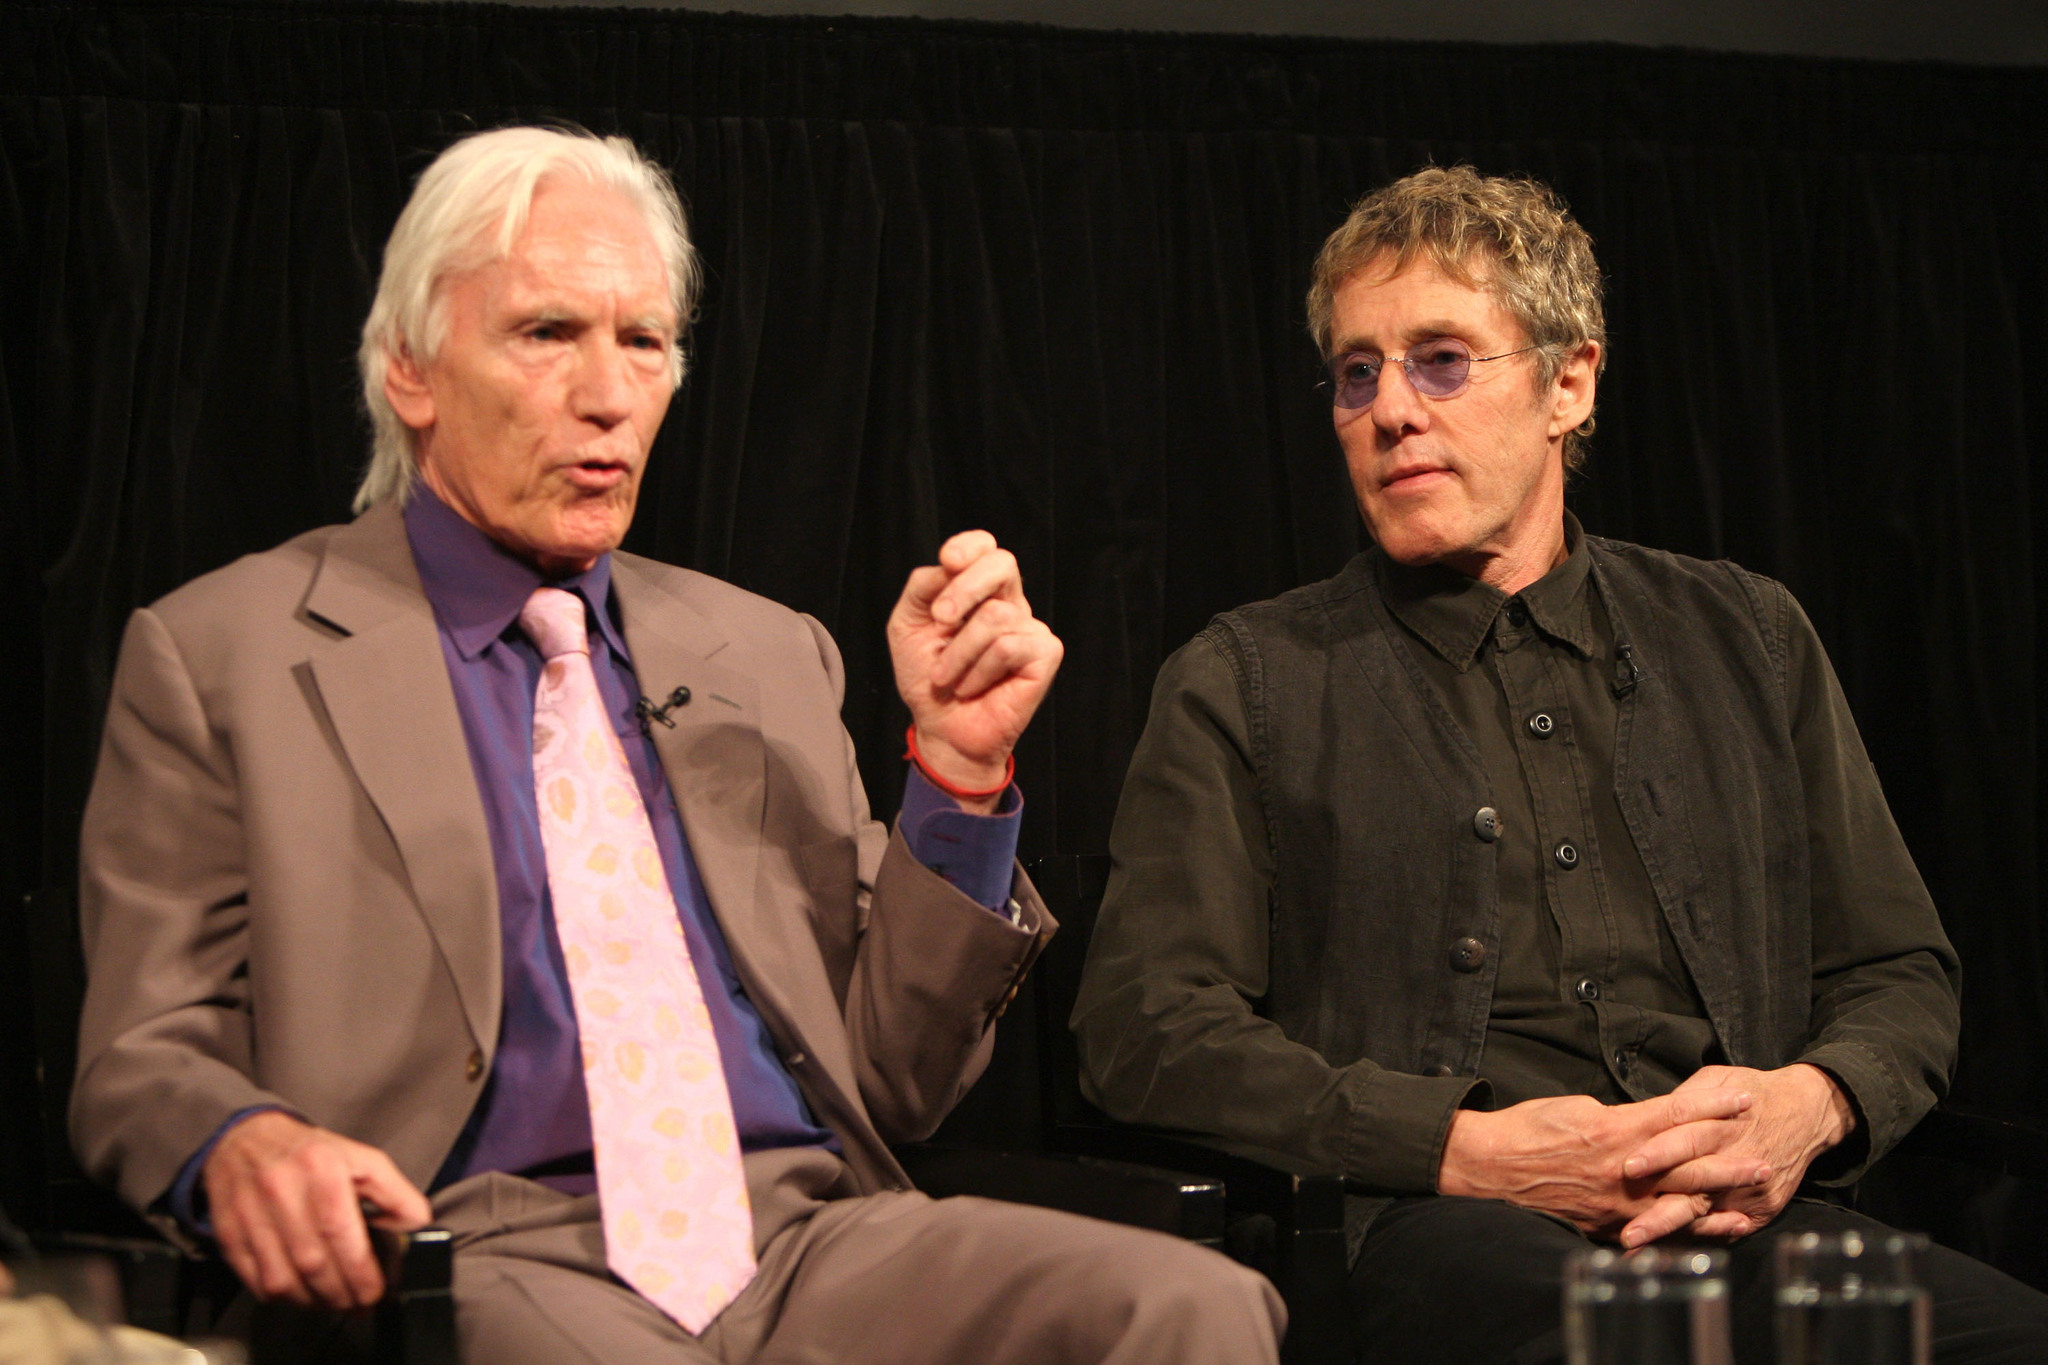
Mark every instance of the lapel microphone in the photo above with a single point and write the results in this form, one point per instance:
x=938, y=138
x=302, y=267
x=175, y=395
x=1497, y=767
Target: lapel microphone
x=1626, y=672
x=648, y=712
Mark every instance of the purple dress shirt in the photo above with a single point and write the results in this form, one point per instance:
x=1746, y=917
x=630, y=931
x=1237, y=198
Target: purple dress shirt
x=533, y=1117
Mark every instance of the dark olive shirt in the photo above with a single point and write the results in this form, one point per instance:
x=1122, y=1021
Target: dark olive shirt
x=1592, y=996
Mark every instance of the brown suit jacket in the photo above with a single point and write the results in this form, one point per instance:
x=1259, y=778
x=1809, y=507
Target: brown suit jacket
x=288, y=896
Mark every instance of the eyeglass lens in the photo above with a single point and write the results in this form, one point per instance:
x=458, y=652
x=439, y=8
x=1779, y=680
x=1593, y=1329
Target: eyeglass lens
x=1436, y=368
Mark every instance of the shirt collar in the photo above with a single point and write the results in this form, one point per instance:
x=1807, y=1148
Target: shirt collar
x=1557, y=601
x=477, y=587
x=1453, y=614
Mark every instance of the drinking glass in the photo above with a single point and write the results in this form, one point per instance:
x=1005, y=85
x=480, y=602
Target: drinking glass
x=1652, y=1306
x=1849, y=1297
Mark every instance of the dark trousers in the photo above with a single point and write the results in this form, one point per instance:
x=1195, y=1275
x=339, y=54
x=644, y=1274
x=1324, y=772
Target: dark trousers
x=1475, y=1282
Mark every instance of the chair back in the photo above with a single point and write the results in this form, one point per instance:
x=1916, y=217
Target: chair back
x=1032, y=1088
x=1072, y=885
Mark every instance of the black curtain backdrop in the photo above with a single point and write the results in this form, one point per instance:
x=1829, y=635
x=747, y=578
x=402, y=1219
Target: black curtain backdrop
x=1049, y=283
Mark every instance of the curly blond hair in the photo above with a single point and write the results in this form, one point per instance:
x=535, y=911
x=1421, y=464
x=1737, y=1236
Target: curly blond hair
x=1513, y=238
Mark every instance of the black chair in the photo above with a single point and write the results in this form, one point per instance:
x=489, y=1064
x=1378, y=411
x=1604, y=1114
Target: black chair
x=162, y=1289
x=1026, y=1134
x=414, y=1323
x=1286, y=1222
x=1970, y=1181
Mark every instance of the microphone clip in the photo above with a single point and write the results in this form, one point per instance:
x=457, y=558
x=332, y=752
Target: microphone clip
x=1627, y=673
x=648, y=712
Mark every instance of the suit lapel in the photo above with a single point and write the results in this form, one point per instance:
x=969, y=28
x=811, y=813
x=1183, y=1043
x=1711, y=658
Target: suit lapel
x=716, y=762
x=385, y=689
x=712, y=753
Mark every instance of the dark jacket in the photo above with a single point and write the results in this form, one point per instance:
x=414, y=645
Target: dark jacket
x=1295, y=952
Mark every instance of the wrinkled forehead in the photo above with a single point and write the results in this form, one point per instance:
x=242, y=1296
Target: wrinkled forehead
x=570, y=226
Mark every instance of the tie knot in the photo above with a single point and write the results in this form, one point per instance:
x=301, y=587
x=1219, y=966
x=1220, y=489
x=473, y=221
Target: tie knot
x=553, y=620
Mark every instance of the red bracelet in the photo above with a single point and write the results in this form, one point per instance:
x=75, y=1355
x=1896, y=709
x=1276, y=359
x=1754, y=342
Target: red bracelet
x=958, y=793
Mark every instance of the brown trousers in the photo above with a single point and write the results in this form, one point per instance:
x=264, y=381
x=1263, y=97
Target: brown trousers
x=884, y=1279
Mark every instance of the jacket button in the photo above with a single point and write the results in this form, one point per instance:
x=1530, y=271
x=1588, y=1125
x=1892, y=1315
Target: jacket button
x=1468, y=954
x=1442, y=1069
x=1587, y=989
x=475, y=1066
x=1518, y=615
x=1542, y=725
x=1623, y=1063
x=1486, y=823
x=1567, y=855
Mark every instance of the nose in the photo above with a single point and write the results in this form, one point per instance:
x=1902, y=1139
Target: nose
x=603, y=392
x=1398, y=409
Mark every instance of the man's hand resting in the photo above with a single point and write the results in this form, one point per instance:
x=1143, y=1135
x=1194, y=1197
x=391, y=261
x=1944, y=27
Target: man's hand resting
x=1565, y=1155
x=286, y=1208
x=1799, y=1113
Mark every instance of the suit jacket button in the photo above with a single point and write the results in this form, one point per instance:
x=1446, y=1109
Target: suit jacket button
x=1442, y=1069
x=1468, y=954
x=475, y=1066
x=1486, y=823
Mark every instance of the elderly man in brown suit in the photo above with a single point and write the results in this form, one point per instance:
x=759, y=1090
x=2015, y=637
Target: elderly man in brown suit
x=338, y=947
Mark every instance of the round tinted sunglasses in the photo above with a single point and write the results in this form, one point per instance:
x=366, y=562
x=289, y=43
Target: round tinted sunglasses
x=1438, y=369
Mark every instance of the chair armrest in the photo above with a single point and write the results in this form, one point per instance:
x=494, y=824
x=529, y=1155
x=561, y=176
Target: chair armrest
x=148, y=1273
x=1305, y=1199
x=416, y=1317
x=1285, y=1221
x=1998, y=1146
x=1173, y=1202
x=413, y=1324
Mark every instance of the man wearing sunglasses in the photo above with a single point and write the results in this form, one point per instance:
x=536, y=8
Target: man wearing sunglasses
x=1537, y=883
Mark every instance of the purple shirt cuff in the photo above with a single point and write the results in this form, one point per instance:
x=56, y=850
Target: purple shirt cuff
x=182, y=1200
x=974, y=852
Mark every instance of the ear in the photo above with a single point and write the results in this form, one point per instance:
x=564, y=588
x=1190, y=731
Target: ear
x=406, y=390
x=1571, y=400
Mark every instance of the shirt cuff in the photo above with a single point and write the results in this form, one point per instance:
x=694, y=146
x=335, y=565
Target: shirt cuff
x=976, y=853
x=184, y=1200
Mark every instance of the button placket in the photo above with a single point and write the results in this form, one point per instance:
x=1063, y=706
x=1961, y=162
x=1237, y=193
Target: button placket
x=1535, y=694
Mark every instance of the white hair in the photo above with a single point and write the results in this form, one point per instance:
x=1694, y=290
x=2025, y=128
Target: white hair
x=467, y=211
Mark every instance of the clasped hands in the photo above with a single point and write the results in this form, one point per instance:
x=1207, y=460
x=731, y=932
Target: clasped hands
x=1718, y=1157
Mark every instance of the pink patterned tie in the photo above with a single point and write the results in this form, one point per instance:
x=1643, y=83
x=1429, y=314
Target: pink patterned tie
x=677, y=1226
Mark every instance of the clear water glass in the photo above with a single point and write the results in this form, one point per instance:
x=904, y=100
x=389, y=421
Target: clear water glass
x=1652, y=1306
x=1847, y=1297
